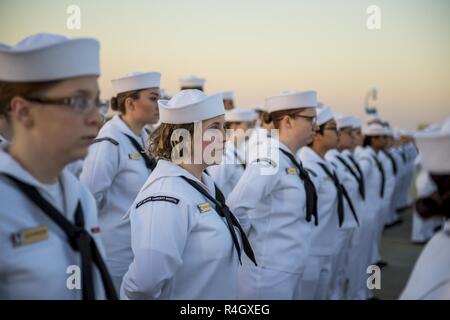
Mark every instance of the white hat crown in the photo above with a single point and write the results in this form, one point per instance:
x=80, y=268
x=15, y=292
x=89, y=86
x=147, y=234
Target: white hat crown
x=343, y=121
x=189, y=106
x=324, y=115
x=192, y=81
x=228, y=95
x=291, y=100
x=374, y=129
x=240, y=115
x=136, y=81
x=47, y=57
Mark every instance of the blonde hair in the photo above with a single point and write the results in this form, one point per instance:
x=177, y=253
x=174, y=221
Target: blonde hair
x=161, y=144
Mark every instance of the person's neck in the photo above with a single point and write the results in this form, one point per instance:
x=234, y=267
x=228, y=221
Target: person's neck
x=39, y=163
x=195, y=169
x=135, y=126
x=291, y=144
x=341, y=149
x=320, y=150
x=376, y=148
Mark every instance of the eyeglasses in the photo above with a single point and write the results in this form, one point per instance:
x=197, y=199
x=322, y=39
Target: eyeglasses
x=334, y=129
x=310, y=119
x=78, y=103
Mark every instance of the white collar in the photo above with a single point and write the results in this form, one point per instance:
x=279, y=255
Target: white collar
x=71, y=186
x=346, y=152
x=311, y=155
x=118, y=122
x=333, y=153
x=166, y=168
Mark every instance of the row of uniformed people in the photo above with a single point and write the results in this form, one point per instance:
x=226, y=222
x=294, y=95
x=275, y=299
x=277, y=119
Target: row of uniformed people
x=50, y=100
x=179, y=210
x=354, y=248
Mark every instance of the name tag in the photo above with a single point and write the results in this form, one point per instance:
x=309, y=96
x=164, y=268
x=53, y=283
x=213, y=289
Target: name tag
x=291, y=170
x=134, y=156
x=29, y=236
x=204, y=207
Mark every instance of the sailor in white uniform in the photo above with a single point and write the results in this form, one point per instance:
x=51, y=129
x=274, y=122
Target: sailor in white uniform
x=276, y=202
x=374, y=178
x=228, y=100
x=430, y=278
x=326, y=242
x=393, y=140
x=351, y=260
x=192, y=82
x=117, y=165
x=50, y=244
x=390, y=172
x=408, y=153
x=239, y=123
x=186, y=242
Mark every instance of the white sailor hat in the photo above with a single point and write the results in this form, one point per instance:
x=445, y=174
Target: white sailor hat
x=189, y=106
x=434, y=148
x=136, y=81
x=192, y=82
x=356, y=123
x=324, y=115
x=371, y=117
x=240, y=115
x=389, y=131
x=294, y=100
x=227, y=95
x=374, y=129
x=47, y=57
x=343, y=121
x=406, y=133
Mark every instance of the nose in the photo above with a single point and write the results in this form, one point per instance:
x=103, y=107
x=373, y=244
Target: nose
x=95, y=118
x=315, y=127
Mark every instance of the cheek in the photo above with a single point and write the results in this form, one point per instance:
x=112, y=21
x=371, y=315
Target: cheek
x=147, y=109
x=59, y=128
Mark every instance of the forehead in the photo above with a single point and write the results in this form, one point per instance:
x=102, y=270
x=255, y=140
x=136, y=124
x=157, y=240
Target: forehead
x=346, y=130
x=151, y=91
x=82, y=85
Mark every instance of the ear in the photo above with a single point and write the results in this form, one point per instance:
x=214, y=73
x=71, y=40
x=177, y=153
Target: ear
x=129, y=104
x=287, y=122
x=21, y=111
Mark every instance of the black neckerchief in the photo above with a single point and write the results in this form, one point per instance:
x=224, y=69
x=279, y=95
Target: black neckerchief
x=150, y=163
x=79, y=239
x=223, y=210
x=310, y=190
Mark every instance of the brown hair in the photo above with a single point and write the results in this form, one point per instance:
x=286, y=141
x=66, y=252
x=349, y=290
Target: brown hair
x=118, y=102
x=160, y=143
x=277, y=116
x=9, y=90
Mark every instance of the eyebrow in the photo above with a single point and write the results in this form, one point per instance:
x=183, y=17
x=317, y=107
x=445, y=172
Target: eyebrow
x=86, y=92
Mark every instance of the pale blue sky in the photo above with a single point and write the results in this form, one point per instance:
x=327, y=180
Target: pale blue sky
x=259, y=48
